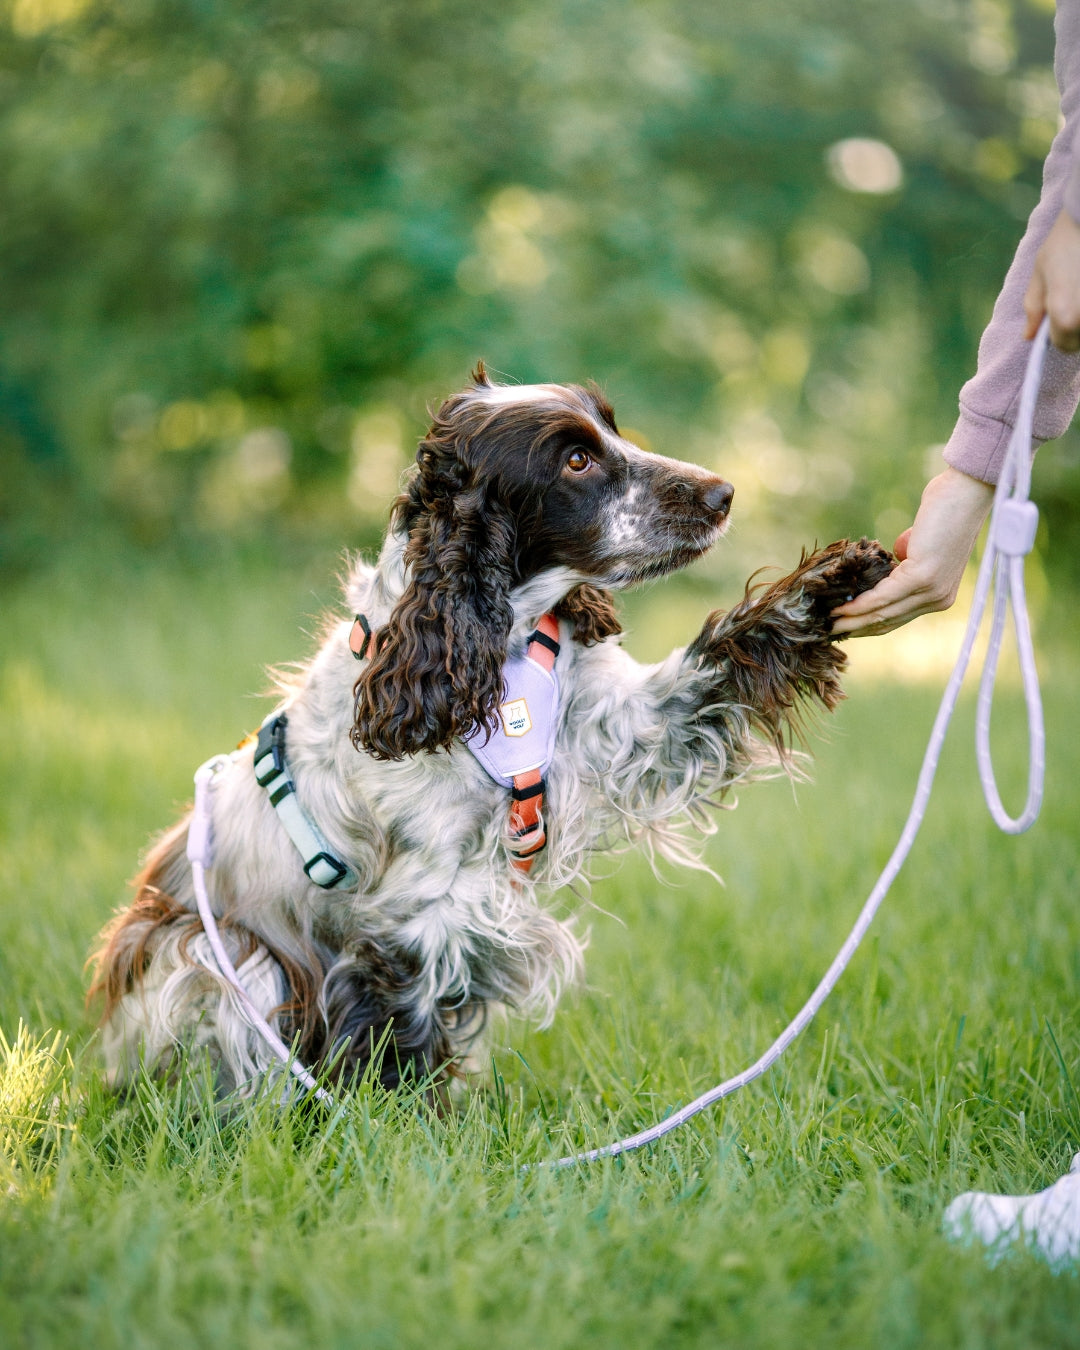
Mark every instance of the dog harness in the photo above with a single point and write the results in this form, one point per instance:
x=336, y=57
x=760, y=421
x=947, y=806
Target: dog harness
x=272, y=773
x=517, y=753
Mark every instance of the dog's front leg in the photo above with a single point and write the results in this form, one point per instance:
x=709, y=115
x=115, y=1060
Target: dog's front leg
x=771, y=656
x=674, y=737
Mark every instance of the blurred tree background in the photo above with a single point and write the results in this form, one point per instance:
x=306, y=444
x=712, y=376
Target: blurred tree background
x=245, y=243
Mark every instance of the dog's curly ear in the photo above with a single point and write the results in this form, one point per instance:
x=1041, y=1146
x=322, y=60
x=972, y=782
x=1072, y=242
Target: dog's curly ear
x=437, y=671
x=591, y=614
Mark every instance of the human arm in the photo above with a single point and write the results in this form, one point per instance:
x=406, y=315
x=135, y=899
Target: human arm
x=1044, y=276
x=934, y=550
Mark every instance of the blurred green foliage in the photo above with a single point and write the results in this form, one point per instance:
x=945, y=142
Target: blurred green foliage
x=242, y=245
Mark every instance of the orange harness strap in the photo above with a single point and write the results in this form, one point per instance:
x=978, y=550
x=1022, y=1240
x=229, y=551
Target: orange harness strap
x=527, y=831
x=527, y=795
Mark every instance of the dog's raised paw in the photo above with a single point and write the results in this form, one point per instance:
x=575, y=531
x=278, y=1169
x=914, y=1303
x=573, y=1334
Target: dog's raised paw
x=843, y=570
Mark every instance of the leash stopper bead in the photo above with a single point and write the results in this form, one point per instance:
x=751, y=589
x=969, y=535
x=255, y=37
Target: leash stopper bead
x=1015, y=528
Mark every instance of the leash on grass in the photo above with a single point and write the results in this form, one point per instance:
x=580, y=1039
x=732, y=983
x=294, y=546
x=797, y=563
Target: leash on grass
x=1013, y=523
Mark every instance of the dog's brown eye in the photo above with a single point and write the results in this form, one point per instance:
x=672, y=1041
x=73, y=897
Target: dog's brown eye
x=578, y=461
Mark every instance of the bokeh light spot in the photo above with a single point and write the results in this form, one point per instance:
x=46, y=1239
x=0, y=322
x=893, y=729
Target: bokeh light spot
x=30, y=18
x=833, y=262
x=507, y=257
x=182, y=425
x=785, y=357
x=996, y=160
x=862, y=164
x=378, y=458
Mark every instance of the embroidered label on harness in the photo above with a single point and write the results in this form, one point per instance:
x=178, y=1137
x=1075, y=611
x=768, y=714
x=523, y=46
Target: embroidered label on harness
x=515, y=717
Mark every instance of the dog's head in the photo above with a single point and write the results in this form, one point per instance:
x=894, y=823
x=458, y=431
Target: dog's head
x=523, y=494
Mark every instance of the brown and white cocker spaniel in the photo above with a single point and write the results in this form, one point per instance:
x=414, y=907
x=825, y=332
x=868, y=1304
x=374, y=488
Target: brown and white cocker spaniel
x=409, y=906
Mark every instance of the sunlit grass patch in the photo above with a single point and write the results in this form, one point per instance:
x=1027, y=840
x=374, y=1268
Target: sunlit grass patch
x=35, y=1107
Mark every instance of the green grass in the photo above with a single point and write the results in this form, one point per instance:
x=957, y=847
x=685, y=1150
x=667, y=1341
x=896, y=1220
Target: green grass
x=804, y=1211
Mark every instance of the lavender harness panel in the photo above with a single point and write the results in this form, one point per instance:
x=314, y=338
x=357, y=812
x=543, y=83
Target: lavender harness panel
x=528, y=713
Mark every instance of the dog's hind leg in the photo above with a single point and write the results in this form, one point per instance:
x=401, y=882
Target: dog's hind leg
x=157, y=977
x=376, y=1015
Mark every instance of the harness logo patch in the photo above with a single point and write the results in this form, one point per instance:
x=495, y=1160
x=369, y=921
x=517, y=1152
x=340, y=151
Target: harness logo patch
x=515, y=717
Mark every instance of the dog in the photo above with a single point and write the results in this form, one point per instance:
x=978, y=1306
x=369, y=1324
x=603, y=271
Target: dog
x=423, y=908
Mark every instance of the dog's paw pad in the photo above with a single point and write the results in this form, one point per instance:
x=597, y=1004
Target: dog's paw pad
x=844, y=570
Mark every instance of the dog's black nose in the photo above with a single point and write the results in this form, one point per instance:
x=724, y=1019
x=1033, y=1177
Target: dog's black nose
x=717, y=497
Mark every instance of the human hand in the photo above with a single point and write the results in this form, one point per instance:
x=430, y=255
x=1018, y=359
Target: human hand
x=933, y=553
x=1054, y=288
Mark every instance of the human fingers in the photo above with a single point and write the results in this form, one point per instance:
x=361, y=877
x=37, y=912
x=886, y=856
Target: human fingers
x=891, y=590
x=883, y=621
x=885, y=617
x=906, y=593
x=870, y=601
x=902, y=587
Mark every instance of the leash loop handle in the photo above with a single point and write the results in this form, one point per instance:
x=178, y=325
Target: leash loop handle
x=1013, y=526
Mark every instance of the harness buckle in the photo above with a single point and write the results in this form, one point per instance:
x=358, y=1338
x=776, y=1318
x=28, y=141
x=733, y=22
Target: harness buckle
x=331, y=870
x=270, y=750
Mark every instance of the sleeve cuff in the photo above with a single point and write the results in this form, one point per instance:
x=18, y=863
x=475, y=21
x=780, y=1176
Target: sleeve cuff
x=978, y=444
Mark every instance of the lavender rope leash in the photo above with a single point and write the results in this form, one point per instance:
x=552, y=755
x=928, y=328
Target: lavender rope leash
x=1013, y=523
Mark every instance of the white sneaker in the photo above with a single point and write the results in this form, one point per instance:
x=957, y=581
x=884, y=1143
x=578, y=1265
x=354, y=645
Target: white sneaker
x=1048, y=1222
